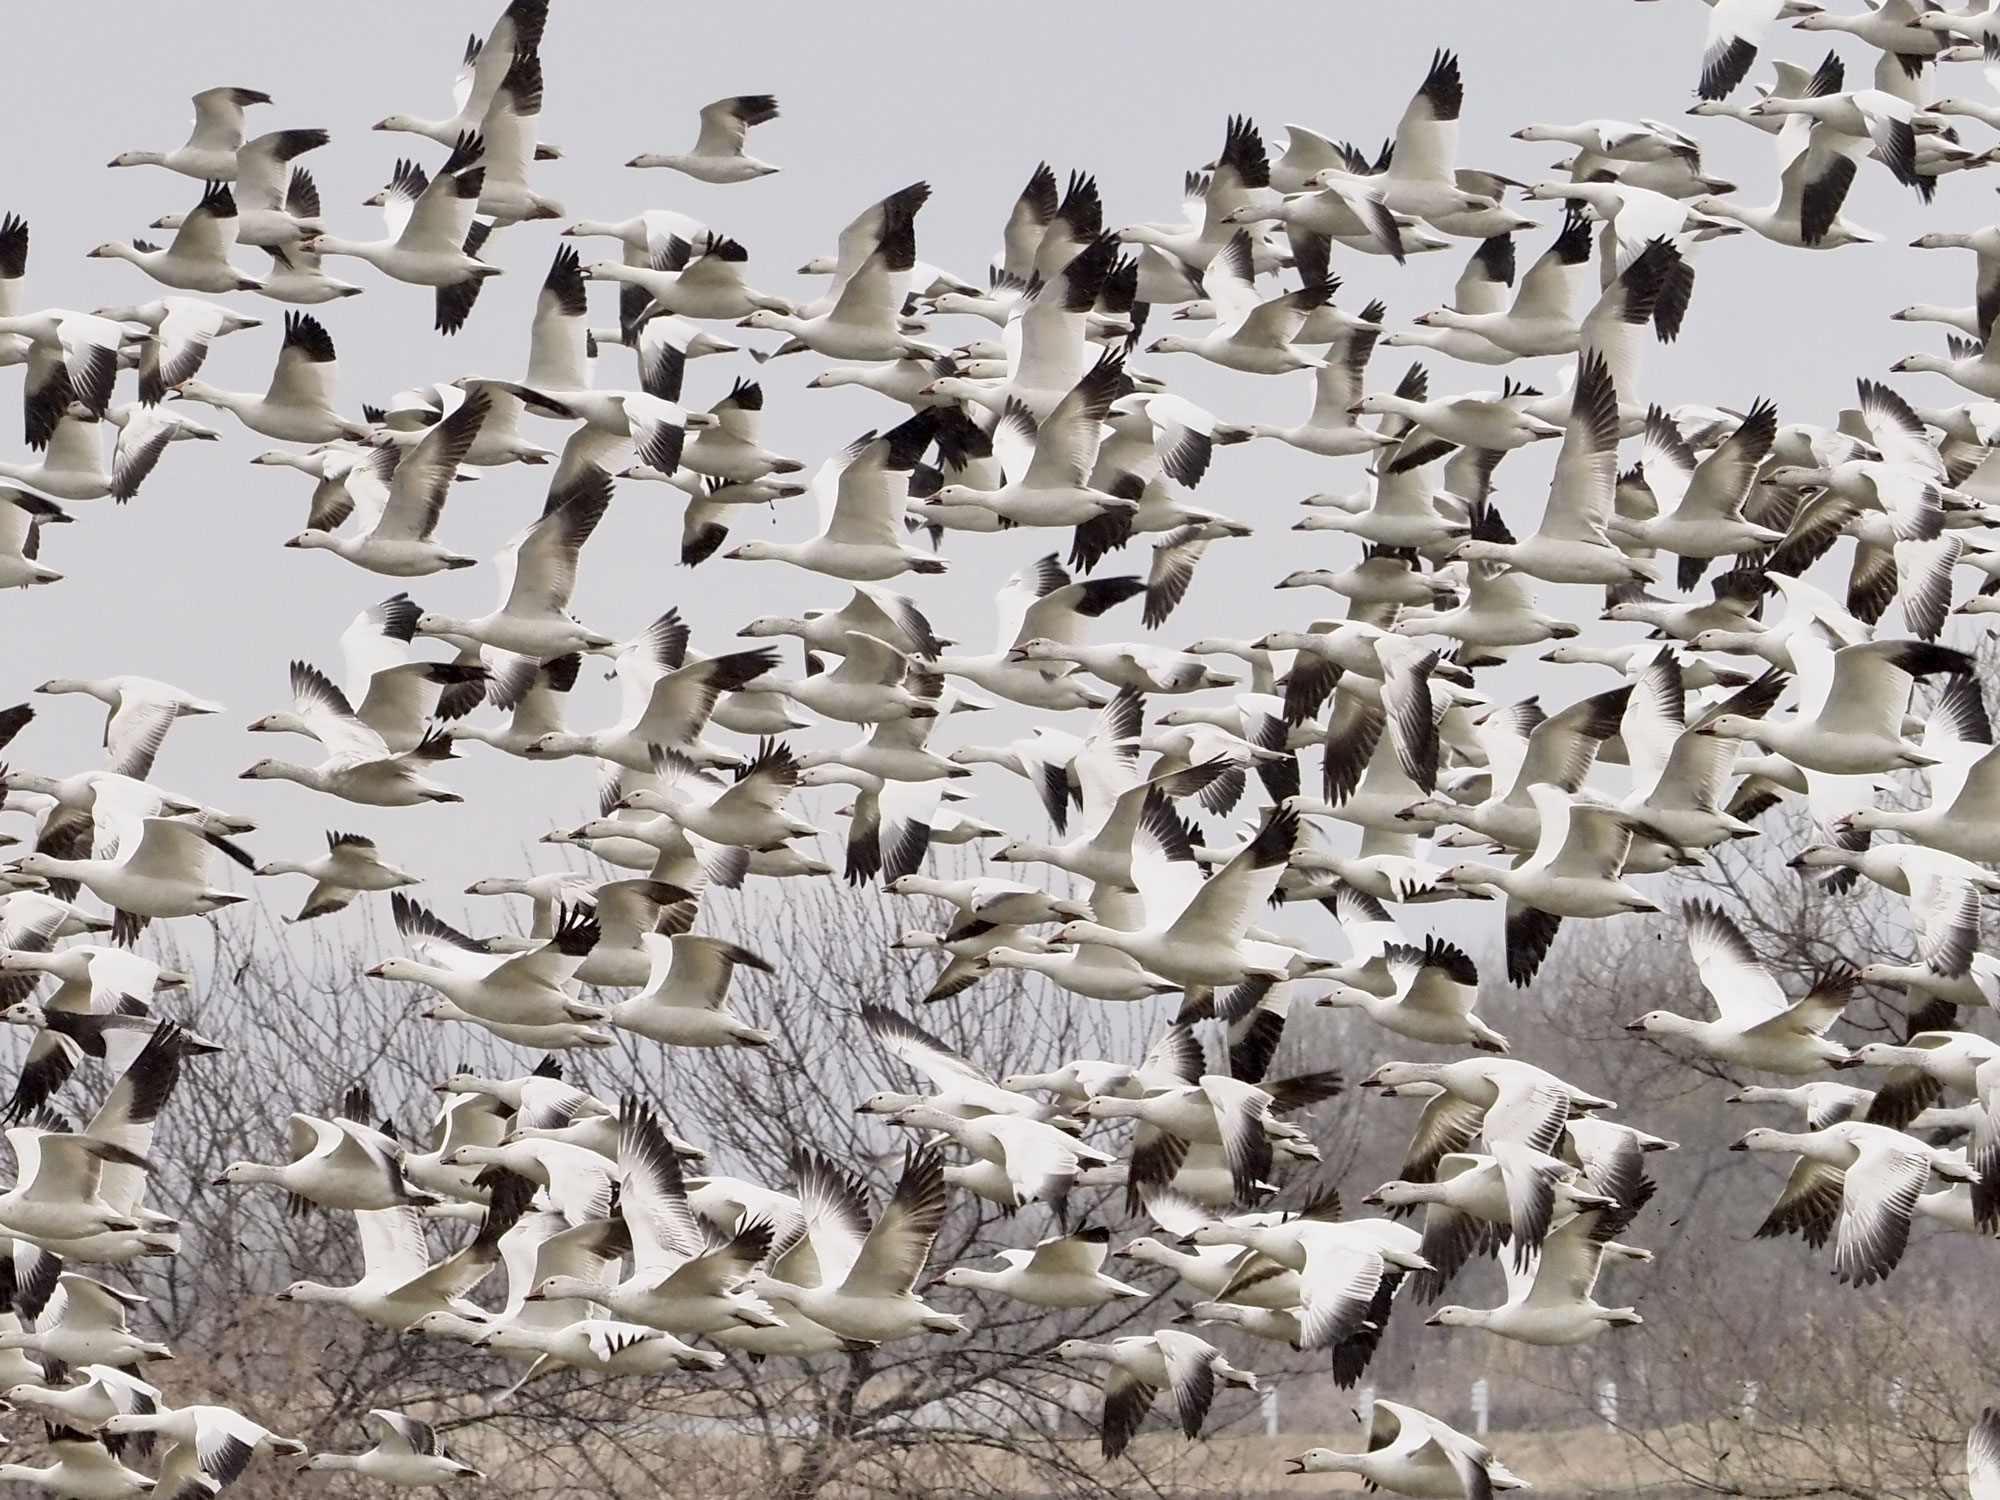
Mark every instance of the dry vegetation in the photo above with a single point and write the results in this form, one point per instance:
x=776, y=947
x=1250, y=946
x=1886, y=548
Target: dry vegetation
x=1857, y=1393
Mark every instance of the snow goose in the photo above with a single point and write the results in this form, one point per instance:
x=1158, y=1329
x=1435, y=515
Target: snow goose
x=359, y=766
x=873, y=682
x=22, y=517
x=862, y=322
x=718, y=155
x=296, y=277
x=508, y=134
x=1481, y=290
x=72, y=467
x=1523, y=1191
x=681, y=1282
x=399, y=1283
x=72, y=360
x=82, y=1468
x=339, y=1163
x=861, y=492
x=1549, y=1301
x=399, y=539
x=1816, y=167
x=748, y=814
x=961, y=1087
x=182, y=328
x=1401, y=511
x=1850, y=706
x=709, y=285
x=537, y=571
x=276, y=204
x=298, y=406
x=198, y=258
x=1573, y=543
x=668, y=701
x=1680, y=775
x=1139, y=1367
x=1048, y=463
x=1573, y=872
x=433, y=239
x=1133, y=666
x=864, y=1277
x=350, y=866
x=1524, y=747
x=1214, y=1110
x=1411, y=1452
x=1435, y=988
x=1042, y=602
x=1480, y=421
x=686, y=999
x=1854, y=120
x=1038, y=1161
x=407, y=1454
x=161, y=870
x=1856, y=1183
x=100, y=1392
x=729, y=451
x=1958, y=818
x=1066, y=1271
x=517, y=32
x=1330, y=430
x=56, y=1194
x=1757, y=1026
x=1255, y=336
x=1196, y=930
x=1420, y=179
x=1342, y=1267
x=210, y=1447
x=209, y=154
x=1092, y=970
x=1823, y=1102
x=1539, y=320
x=531, y=988
x=1967, y=363
x=394, y=695
x=143, y=435
x=533, y=693
x=1703, y=502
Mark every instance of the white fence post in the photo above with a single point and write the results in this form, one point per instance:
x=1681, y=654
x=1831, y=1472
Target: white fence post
x=1482, y=1406
x=1607, y=1403
x=1267, y=1402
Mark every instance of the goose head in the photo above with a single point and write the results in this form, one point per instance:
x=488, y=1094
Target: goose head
x=1398, y=1075
x=395, y=968
x=1663, y=1023
x=1763, y=1138
x=1325, y=1461
x=1453, y=1316
x=271, y=770
x=755, y=552
x=1735, y=727
x=1401, y=1194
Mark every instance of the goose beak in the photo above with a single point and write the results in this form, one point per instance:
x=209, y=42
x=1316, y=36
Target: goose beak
x=1742, y=1145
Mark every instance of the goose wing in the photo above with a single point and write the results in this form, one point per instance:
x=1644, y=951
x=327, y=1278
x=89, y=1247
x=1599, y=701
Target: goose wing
x=893, y=1255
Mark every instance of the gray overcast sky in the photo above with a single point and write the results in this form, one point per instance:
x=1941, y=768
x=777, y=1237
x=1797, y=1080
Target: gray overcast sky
x=190, y=583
